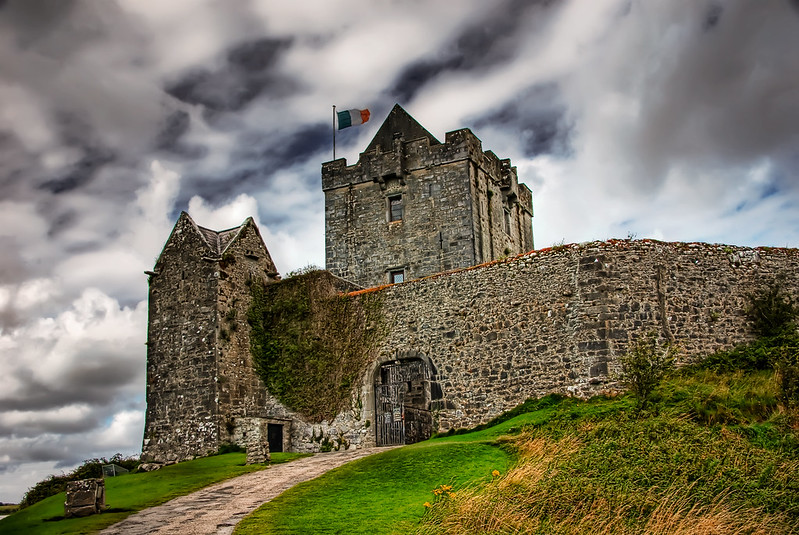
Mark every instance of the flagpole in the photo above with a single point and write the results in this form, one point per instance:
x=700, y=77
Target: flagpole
x=334, y=131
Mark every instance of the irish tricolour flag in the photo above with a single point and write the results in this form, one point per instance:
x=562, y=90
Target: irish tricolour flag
x=352, y=118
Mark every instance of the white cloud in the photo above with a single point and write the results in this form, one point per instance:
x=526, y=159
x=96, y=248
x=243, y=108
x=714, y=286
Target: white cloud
x=222, y=217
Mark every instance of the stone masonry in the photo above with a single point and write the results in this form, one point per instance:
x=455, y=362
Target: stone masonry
x=199, y=374
x=413, y=206
x=556, y=320
x=464, y=342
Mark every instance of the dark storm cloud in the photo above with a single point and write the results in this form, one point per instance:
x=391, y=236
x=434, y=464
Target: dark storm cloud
x=247, y=73
x=710, y=92
x=712, y=16
x=537, y=116
x=484, y=44
x=26, y=428
x=38, y=18
x=256, y=157
x=80, y=173
x=44, y=449
x=174, y=127
x=97, y=386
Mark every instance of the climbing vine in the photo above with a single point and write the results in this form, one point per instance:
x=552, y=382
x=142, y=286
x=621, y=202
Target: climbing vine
x=311, y=344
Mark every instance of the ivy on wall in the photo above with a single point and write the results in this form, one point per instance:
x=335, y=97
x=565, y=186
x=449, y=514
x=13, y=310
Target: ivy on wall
x=311, y=344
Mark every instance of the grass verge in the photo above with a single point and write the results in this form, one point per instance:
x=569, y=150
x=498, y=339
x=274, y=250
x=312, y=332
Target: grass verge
x=129, y=493
x=715, y=454
x=383, y=493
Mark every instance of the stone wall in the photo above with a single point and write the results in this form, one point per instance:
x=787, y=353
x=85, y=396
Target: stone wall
x=488, y=336
x=200, y=376
x=556, y=320
x=181, y=418
x=241, y=393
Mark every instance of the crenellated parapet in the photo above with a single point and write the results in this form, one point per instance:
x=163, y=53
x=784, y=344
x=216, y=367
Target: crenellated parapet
x=454, y=205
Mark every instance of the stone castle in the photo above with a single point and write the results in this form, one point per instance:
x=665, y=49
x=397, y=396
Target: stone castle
x=479, y=323
x=413, y=206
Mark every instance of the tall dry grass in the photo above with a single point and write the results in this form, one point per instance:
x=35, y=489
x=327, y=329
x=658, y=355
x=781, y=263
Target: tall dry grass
x=524, y=501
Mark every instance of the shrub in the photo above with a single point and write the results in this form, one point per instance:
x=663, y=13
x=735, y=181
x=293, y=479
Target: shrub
x=644, y=366
x=772, y=318
x=772, y=313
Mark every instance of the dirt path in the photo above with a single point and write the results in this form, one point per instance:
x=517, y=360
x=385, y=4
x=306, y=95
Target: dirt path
x=218, y=508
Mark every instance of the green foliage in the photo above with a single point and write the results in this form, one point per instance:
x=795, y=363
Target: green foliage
x=788, y=373
x=305, y=270
x=730, y=398
x=530, y=405
x=91, y=468
x=326, y=445
x=608, y=464
x=772, y=317
x=230, y=448
x=772, y=312
x=310, y=344
x=644, y=366
x=382, y=493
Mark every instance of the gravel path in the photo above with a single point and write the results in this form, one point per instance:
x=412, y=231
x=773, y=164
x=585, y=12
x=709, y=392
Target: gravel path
x=218, y=508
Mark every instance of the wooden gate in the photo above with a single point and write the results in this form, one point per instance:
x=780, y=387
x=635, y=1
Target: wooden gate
x=390, y=415
x=402, y=395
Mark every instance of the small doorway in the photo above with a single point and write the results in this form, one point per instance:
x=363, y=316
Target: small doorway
x=274, y=435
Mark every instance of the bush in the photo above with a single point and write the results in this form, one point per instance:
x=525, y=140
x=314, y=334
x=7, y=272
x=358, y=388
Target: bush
x=230, y=448
x=644, y=366
x=772, y=313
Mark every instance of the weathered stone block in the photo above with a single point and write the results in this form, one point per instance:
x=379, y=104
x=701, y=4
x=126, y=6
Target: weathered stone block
x=85, y=497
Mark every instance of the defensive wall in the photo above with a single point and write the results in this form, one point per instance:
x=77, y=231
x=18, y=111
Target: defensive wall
x=460, y=347
x=556, y=320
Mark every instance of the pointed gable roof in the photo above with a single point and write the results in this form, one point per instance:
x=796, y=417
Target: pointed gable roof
x=398, y=121
x=217, y=241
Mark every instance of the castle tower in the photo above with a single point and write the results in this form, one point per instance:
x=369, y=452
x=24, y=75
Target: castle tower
x=200, y=377
x=412, y=206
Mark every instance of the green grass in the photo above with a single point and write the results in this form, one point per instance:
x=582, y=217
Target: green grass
x=129, y=493
x=712, y=448
x=385, y=493
x=381, y=493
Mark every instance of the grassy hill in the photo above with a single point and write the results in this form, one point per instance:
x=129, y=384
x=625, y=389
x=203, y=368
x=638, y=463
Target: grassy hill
x=714, y=453
x=133, y=492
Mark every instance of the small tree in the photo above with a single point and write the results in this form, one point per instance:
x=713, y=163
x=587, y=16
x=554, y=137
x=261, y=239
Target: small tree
x=645, y=365
x=772, y=313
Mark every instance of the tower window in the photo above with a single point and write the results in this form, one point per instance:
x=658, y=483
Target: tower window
x=396, y=277
x=507, y=221
x=395, y=208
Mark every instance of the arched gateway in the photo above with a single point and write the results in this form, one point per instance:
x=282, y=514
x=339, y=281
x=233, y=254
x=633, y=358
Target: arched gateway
x=405, y=388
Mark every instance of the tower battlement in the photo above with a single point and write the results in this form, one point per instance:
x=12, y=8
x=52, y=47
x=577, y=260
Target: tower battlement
x=412, y=206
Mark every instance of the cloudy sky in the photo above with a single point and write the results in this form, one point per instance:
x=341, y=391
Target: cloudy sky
x=675, y=120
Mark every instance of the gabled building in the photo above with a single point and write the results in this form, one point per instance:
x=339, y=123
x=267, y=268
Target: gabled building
x=200, y=377
x=412, y=206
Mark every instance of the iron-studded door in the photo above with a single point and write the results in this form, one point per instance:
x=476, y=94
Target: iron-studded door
x=390, y=428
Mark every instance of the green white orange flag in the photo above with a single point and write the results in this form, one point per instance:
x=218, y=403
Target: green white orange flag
x=351, y=118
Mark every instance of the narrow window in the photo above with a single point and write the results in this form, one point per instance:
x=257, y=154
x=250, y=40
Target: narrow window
x=507, y=221
x=395, y=208
x=397, y=277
